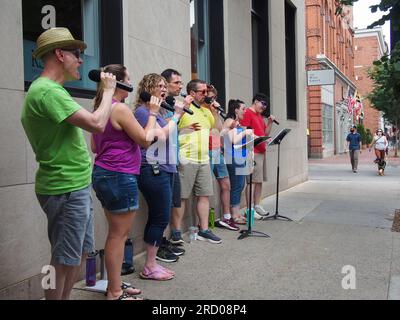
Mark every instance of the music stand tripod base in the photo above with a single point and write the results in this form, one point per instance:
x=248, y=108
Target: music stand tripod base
x=277, y=141
x=251, y=233
x=276, y=217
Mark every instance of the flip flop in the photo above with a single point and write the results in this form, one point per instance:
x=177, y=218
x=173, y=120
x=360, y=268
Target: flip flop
x=157, y=274
x=172, y=273
x=125, y=287
x=240, y=221
x=126, y=296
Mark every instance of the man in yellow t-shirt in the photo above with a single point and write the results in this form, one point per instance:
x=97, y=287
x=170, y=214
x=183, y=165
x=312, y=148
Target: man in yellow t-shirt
x=194, y=168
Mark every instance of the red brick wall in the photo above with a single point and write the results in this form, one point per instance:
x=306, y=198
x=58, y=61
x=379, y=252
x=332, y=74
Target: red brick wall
x=329, y=35
x=366, y=53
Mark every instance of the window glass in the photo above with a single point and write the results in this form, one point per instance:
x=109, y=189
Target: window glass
x=81, y=17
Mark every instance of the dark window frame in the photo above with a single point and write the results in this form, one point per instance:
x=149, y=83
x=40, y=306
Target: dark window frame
x=260, y=47
x=111, y=42
x=291, y=61
x=217, y=48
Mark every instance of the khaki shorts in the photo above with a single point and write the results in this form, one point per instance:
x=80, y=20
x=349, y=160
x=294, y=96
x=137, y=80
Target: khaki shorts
x=196, y=177
x=260, y=169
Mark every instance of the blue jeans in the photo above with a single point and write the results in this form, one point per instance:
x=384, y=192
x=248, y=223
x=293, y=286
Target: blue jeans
x=117, y=192
x=237, y=184
x=157, y=190
x=217, y=163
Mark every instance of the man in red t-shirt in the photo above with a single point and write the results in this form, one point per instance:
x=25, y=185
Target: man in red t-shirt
x=254, y=118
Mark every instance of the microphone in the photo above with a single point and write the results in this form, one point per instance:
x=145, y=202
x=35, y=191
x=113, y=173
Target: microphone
x=194, y=103
x=276, y=122
x=146, y=97
x=94, y=75
x=208, y=100
x=171, y=101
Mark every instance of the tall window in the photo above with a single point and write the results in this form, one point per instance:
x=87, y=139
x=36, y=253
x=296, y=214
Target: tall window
x=207, y=43
x=86, y=19
x=260, y=39
x=327, y=125
x=291, y=67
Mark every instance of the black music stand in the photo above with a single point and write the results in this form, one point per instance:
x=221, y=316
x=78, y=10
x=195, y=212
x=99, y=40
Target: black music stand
x=277, y=141
x=249, y=232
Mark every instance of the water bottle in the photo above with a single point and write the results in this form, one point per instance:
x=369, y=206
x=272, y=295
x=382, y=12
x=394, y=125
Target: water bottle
x=127, y=265
x=211, y=219
x=193, y=234
x=103, y=273
x=250, y=218
x=91, y=269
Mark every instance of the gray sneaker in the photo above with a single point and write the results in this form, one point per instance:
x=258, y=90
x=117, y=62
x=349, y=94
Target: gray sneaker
x=207, y=235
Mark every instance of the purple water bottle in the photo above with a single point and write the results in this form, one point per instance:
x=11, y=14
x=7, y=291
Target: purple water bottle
x=91, y=269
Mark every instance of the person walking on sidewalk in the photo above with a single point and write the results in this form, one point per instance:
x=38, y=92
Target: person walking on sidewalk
x=354, y=146
x=52, y=121
x=381, y=144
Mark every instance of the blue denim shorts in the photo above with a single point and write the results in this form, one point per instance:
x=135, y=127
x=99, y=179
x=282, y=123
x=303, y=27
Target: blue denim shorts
x=70, y=225
x=218, y=166
x=117, y=192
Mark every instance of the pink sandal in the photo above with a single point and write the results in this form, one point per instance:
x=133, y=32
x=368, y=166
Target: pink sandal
x=172, y=273
x=156, y=274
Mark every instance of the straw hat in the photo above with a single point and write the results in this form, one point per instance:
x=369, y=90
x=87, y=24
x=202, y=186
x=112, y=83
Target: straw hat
x=55, y=38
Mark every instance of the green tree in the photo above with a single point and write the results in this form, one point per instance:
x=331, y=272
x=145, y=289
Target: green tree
x=385, y=96
x=390, y=7
x=385, y=73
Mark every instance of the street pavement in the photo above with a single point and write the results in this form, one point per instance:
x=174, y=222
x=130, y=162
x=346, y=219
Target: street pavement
x=340, y=245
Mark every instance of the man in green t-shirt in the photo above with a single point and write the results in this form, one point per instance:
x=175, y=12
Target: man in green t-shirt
x=52, y=121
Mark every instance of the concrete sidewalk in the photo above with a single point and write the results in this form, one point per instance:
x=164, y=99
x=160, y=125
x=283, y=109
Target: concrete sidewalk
x=341, y=219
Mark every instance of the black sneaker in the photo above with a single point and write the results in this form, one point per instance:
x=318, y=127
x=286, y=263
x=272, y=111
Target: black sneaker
x=178, y=251
x=163, y=254
x=176, y=239
x=207, y=235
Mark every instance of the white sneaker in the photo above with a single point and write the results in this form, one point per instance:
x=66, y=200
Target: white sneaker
x=257, y=216
x=260, y=211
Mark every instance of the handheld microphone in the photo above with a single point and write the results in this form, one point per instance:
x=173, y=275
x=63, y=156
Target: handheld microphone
x=276, y=122
x=208, y=100
x=146, y=97
x=171, y=101
x=94, y=75
x=194, y=103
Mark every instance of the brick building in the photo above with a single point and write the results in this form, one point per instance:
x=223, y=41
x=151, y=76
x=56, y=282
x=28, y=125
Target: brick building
x=330, y=45
x=369, y=46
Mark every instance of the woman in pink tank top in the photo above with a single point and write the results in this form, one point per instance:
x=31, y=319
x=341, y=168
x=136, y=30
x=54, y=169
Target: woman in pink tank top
x=117, y=164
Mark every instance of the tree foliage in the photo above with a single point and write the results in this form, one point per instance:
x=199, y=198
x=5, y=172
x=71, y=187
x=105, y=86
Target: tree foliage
x=385, y=96
x=390, y=7
x=385, y=73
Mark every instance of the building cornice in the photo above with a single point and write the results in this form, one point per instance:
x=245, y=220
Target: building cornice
x=377, y=32
x=321, y=58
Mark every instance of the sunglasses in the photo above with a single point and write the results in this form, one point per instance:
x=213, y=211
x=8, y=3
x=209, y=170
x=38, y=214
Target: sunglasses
x=264, y=103
x=76, y=52
x=202, y=91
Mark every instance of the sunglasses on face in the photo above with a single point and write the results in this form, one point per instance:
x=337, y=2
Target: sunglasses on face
x=202, y=91
x=264, y=104
x=76, y=52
